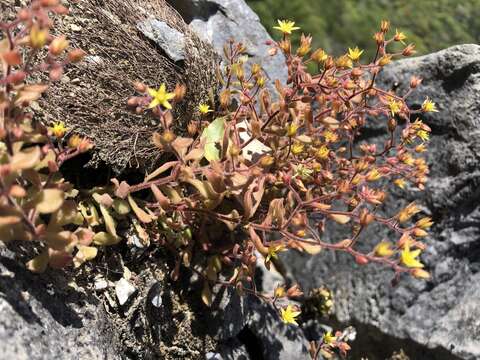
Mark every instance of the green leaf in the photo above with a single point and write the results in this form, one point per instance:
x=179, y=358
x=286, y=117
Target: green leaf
x=49, y=200
x=121, y=207
x=25, y=159
x=104, y=239
x=85, y=253
x=110, y=223
x=141, y=214
x=213, y=134
x=39, y=263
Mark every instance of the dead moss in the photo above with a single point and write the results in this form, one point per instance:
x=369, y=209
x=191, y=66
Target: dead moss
x=92, y=96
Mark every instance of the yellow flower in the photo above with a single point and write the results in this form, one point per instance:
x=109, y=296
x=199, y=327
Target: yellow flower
x=424, y=135
x=395, y=106
x=38, y=37
x=204, y=109
x=261, y=81
x=406, y=213
x=408, y=258
x=292, y=129
x=429, y=106
x=373, y=175
x=328, y=338
x=330, y=136
x=399, y=36
x=344, y=61
x=74, y=141
x=385, y=60
x=354, y=54
x=424, y=223
x=384, y=249
x=160, y=97
x=289, y=314
x=280, y=292
x=59, y=129
x=323, y=152
x=297, y=148
x=400, y=183
x=319, y=56
x=286, y=26
x=273, y=252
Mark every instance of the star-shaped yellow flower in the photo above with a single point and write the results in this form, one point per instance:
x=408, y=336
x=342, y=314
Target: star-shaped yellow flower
x=59, y=129
x=273, y=251
x=160, y=97
x=400, y=36
x=204, y=109
x=289, y=314
x=354, y=54
x=408, y=258
x=395, y=106
x=429, y=106
x=384, y=249
x=400, y=183
x=424, y=135
x=286, y=26
x=328, y=338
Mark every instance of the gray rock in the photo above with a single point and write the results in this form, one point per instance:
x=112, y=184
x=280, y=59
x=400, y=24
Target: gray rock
x=278, y=340
x=440, y=318
x=167, y=38
x=218, y=21
x=123, y=290
x=234, y=350
x=45, y=318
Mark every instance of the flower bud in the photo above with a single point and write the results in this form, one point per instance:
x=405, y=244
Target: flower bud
x=286, y=46
x=168, y=136
x=192, y=128
x=180, y=91
x=379, y=38
x=319, y=56
x=419, y=232
x=392, y=124
x=361, y=260
x=140, y=87
x=366, y=217
x=38, y=37
x=267, y=161
x=384, y=60
x=58, y=45
x=420, y=273
x=414, y=82
x=384, y=26
x=409, y=50
x=76, y=55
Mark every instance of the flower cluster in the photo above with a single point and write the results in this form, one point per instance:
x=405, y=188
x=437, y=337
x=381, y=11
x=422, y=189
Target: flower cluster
x=264, y=165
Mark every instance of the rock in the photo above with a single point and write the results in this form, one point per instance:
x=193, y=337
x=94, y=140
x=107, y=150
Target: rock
x=167, y=38
x=435, y=319
x=277, y=340
x=218, y=21
x=44, y=318
x=123, y=290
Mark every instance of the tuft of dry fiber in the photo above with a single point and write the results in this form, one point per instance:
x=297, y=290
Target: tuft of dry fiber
x=92, y=96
